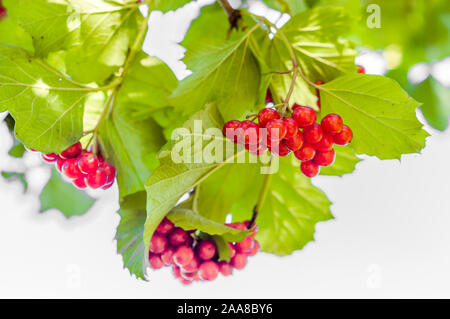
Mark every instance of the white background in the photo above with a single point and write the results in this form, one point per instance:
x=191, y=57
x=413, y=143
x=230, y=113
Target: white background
x=390, y=236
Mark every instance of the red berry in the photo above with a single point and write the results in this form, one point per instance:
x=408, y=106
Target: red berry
x=309, y=169
x=59, y=163
x=295, y=142
x=229, y=129
x=108, y=185
x=237, y=225
x=192, y=265
x=266, y=115
x=325, y=144
x=208, y=270
x=72, y=151
x=276, y=129
x=324, y=158
x=245, y=245
x=71, y=169
x=185, y=281
x=88, y=163
x=178, y=236
x=177, y=272
x=313, y=134
x=80, y=182
x=183, y=255
x=50, y=158
x=291, y=127
x=318, y=82
x=232, y=250
x=155, y=261
x=361, y=69
x=97, y=179
x=165, y=226
x=206, y=249
x=306, y=153
x=110, y=171
x=239, y=261
x=257, y=150
x=332, y=124
x=248, y=133
x=280, y=149
x=268, y=97
x=225, y=268
x=158, y=243
x=344, y=137
x=254, y=250
x=304, y=116
x=167, y=256
x=187, y=275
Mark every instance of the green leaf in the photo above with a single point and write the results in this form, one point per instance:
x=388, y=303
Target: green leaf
x=168, y=5
x=215, y=65
x=64, y=197
x=344, y=164
x=101, y=41
x=216, y=195
x=148, y=85
x=129, y=234
x=292, y=208
x=12, y=176
x=172, y=179
x=17, y=150
x=34, y=92
x=381, y=115
x=291, y=7
x=132, y=138
x=322, y=55
x=223, y=249
x=11, y=33
x=436, y=102
x=50, y=23
x=189, y=220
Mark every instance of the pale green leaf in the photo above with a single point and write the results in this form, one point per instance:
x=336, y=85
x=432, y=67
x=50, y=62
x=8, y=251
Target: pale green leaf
x=168, y=5
x=47, y=107
x=190, y=220
x=344, y=163
x=291, y=7
x=64, y=197
x=223, y=71
x=381, y=115
x=436, y=102
x=314, y=36
x=11, y=33
x=290, y=212
x=174, y=177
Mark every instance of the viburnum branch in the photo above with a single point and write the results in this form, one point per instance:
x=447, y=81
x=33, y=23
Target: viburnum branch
x=111, y=101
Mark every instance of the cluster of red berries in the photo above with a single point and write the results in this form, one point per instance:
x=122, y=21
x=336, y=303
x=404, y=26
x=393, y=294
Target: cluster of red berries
x=83, y=168
x=312, y=143
x=194, y=259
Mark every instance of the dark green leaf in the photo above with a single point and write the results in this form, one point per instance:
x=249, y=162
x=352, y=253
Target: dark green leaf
x=130, y=233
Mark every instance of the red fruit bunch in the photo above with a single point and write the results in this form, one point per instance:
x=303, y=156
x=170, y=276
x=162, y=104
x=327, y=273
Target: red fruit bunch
x=83, y=168
x=311, y=142
x=195, y=259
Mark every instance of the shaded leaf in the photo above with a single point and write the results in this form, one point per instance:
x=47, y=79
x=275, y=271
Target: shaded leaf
x=64, y=197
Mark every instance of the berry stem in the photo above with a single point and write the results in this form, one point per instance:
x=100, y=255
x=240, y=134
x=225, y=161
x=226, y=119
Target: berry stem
x=234, y=15
x=261, y=198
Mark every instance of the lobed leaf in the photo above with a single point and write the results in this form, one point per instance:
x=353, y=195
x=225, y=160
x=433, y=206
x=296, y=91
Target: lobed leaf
x=381, y=115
